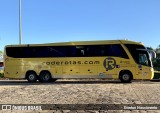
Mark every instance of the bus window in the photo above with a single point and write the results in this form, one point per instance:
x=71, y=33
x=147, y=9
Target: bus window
x=143, y=59
x=139, y=55
x=115, y=50
x=80, y=51
x=93, y=51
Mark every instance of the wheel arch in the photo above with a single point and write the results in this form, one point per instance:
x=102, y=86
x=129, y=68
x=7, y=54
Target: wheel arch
x=45, y=71
x=43, y=77
x=29, y=71
x=125, y=71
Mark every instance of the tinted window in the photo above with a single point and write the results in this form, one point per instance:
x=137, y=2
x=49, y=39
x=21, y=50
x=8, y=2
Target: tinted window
x=13, y=52
x=31, y=52
x=133, y=50
x=138, y=52
x=115, y=50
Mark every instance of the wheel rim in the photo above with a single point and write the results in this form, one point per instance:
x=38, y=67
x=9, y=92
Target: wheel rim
x=31, y=77
x=45, y=77
x=125, y=77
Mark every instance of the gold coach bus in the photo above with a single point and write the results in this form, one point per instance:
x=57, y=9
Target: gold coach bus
x=116, y=59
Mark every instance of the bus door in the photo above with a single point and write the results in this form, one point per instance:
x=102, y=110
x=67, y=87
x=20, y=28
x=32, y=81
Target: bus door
x=144, y=65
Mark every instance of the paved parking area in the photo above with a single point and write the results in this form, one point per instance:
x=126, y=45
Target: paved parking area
x=81, y=92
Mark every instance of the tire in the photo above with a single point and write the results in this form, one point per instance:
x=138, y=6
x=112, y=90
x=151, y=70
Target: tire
x=31, y=77
x=45, y=76
x=126, y=77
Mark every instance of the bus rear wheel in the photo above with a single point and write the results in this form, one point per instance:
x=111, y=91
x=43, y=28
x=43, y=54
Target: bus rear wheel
x=31, y=76
x=126, y=77
x=45, y=76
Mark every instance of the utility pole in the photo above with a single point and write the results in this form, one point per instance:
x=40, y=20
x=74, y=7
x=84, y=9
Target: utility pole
x=20, y=22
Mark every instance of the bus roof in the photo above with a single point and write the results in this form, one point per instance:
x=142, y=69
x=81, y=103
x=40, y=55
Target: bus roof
x=96, y=42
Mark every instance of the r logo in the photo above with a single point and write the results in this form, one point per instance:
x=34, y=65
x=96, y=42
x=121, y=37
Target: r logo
x=109, y=63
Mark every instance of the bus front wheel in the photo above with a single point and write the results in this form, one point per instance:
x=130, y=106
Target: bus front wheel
x=31, y=77
x=126, y=77
x=45, y=76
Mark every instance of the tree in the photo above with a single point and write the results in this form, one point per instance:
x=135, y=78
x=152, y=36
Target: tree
x=149, y=48
x=158, y=47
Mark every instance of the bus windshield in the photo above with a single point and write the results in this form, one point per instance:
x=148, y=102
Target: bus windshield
x=139, y=54
x=144, y=58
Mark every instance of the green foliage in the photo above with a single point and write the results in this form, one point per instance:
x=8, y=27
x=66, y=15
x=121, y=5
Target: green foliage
x=1, y=75
x=156, y=64
x=158, y=54
x=156, y=75
x=150, y=48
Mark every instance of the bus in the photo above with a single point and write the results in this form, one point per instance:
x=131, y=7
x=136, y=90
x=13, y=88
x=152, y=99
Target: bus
x=107, y=59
